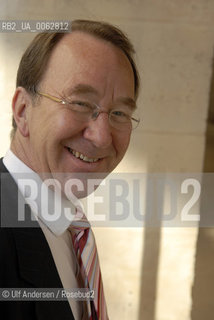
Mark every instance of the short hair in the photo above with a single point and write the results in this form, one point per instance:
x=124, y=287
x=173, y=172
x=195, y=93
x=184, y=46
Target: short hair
x=35, y=59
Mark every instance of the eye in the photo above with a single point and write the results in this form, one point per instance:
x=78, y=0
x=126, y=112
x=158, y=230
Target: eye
x=81, y=106
x=80, y=103
x=119, y=115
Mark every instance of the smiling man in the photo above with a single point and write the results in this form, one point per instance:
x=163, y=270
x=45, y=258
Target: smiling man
x=73, y=112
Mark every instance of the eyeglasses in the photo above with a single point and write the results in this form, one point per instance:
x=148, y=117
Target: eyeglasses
x=85, y=111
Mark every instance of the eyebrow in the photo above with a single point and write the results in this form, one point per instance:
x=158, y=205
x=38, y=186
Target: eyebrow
x=128, y=101
x=83, y=89
x=87, y=89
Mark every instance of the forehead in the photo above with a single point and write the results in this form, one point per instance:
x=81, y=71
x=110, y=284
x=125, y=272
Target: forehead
x=82, y=57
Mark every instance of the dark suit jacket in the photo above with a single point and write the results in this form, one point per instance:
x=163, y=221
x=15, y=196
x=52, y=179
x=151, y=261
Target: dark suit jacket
x=25, y=261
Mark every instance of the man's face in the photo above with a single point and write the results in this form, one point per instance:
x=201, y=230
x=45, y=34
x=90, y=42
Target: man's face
x=93, y=70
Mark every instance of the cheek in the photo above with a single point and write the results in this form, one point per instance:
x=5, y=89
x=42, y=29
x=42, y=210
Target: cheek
x=60, y=126
x=65, y=127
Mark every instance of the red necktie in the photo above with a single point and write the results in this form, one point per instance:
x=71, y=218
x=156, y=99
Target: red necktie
x=86, y=253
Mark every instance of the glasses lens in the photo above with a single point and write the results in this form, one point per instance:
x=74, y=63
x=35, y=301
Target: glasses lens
x=82, y=110
x=123, y=123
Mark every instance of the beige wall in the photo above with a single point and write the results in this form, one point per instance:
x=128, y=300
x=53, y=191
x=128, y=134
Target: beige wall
x=148, y=274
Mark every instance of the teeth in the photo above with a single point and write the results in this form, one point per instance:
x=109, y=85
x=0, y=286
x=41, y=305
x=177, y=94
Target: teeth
x=79, y=155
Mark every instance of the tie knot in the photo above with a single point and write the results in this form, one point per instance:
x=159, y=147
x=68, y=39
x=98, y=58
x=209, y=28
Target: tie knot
x=80, y=222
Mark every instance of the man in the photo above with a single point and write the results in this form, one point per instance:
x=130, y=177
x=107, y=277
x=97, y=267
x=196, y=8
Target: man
x=72, y=113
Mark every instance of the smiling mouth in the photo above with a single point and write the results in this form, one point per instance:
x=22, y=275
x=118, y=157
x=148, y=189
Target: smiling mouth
x=81, y=156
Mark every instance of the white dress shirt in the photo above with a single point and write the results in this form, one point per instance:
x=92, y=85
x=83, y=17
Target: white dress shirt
x=56, y=233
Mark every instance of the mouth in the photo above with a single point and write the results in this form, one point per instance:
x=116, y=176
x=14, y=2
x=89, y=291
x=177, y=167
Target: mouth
x=81, y=156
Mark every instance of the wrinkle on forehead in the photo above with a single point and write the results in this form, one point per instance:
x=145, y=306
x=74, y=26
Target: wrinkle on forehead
x=82, y=58
x=87, y=44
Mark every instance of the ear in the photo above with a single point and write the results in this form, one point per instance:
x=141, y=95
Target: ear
x=20, y=104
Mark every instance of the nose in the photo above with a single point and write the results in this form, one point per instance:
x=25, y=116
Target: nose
x=99, y=131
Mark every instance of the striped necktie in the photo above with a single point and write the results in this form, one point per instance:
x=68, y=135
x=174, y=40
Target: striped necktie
x=86, y=252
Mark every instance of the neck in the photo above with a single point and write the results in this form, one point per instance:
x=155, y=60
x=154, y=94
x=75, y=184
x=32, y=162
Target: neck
x=18, y=147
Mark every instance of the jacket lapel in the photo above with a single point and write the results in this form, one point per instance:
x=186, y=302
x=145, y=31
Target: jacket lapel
x=35, y=261
x=38, y=269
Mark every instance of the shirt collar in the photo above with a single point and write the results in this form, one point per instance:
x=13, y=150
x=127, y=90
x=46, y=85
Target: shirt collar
x=41, y=204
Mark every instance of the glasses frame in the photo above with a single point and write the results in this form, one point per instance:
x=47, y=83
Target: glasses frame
x=94, y=115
